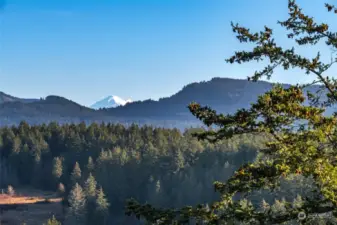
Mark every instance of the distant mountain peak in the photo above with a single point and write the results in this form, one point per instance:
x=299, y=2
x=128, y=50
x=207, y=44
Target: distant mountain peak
x=110, y=101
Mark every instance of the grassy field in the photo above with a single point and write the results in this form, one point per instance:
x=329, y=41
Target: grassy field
x=30, y=207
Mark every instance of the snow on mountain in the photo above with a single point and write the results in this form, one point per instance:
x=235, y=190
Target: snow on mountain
x=111, y=101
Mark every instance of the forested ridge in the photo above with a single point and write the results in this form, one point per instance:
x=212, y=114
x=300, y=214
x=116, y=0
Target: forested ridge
x=223, y=94
x=164, y=167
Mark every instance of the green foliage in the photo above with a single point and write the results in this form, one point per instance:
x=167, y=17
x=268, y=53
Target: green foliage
x=102, y=204
x=302, y=139
x=57, y=168
x=102, y=208
x=76, y=174
x=77, y=206
x=53, y=221
x=90, y=192
x=90, y=165
x=90, y=186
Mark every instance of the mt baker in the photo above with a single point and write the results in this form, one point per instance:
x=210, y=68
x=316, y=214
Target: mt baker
x=111, y=101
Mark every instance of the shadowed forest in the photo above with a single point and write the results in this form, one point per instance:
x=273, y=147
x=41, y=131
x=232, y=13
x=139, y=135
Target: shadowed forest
x=164, y=167
x=161, y=166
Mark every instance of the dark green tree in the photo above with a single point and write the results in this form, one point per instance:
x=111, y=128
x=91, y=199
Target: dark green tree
x=90, y=192
x=303, y=139
x=90, y=186
x=57, y=168
x=77, y=206
x=90, y=165
x=178, y=160
x=53, y=221
x=102, y=207
x=76, y=174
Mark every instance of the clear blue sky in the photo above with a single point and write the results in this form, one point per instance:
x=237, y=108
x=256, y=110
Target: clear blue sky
x=85, y=50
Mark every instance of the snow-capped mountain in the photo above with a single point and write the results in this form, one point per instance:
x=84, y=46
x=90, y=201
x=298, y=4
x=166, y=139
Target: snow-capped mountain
x=111, y=101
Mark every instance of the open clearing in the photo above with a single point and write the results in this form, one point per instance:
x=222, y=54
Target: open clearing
x=30, y=207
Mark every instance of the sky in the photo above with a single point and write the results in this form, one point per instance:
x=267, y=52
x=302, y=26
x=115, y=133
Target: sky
x=85, y=50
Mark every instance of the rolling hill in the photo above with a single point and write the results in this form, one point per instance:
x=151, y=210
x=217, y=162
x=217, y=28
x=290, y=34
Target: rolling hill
x=5, y=98
x=223, y=94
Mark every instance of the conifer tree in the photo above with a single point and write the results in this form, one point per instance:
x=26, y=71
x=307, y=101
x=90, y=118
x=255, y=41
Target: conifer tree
x=10, y=190
x=57, y=168
x=77, y=206
x=76, y=174
x=90, y=192
x=90, y=165
x=53, y=221
x=61, y=189
x=303, y=139
x=178, y=160
x=102, y=207
x=90, y=186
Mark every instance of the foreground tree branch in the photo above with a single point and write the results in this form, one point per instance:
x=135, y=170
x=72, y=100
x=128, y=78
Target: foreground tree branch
x=302, y=139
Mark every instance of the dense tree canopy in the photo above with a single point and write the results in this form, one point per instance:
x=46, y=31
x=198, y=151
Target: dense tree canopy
x=303, y=143
x=112, y=163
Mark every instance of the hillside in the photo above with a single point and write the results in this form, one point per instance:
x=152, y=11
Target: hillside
x=44, y=110
x=5, y=98
x=223, y=94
